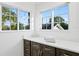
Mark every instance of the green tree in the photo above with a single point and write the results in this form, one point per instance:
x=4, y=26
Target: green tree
x=21, y=26
x=58, y=19
x=61, y=21
x=27, y=27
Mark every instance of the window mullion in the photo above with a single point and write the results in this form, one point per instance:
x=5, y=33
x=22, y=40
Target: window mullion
x=0, y=17
x=17, y=19
x=46, y=23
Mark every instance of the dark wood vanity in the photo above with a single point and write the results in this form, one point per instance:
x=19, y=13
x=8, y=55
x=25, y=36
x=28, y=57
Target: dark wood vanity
x=36, y=49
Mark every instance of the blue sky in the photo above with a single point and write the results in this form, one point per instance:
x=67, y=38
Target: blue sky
x=23, y=17
x=14, y=10
x=58, y=11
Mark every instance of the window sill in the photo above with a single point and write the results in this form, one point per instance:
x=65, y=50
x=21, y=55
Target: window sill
x=13, y=31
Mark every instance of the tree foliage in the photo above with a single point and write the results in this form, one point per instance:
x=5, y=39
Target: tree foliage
x=61, y=21
x=58, y=19
x=7, y=14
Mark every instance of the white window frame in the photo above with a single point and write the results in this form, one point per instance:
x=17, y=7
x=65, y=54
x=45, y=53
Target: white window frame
x=52, y=25
x=3, y=5
x=63, y=14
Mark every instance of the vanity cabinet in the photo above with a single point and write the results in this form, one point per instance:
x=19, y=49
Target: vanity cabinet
x=36, y=49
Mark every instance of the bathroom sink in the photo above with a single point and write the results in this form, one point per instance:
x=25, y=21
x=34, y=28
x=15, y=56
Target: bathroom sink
x=50, y=40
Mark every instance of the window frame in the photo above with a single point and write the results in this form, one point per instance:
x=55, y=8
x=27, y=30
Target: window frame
x=8, y=6
x=52, y=25
x=63, y=14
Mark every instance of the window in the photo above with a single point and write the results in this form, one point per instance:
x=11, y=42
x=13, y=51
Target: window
x=11, y=16
x=9, y=19
x=59, y=15
x=24, y=21
x=46, y=19
x=61, y=18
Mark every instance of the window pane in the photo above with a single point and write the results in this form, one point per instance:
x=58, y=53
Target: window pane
x=27, y=26
x=46, y=19
x=14, y=11
x=61, y=22
x=61, y=10
x=44, y=22
x=23, y=20
x=4, y=18
x=61, y=18
x=13, y=23
x=49, y=20
x=6, y=23
x=64, y=24
x=46, y=13
x=9, y=18
x=13, y=19
x=5, y=11
x=13, y=26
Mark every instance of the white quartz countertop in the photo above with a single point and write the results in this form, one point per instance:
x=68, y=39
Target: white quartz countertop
x=62, y=44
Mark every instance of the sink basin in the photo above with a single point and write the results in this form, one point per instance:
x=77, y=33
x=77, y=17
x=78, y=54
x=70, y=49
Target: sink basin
x=51, y=40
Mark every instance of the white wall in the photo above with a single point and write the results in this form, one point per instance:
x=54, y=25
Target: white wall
x=71, y=34
x=11, y=43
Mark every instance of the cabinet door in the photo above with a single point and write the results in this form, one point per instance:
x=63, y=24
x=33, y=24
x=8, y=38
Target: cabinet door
x=69, y=53
x=26, y=48
x=36, y=49
x=48, y=51
x=61, y=52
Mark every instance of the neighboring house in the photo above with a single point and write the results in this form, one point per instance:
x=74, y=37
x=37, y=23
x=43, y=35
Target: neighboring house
x=58, y=27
